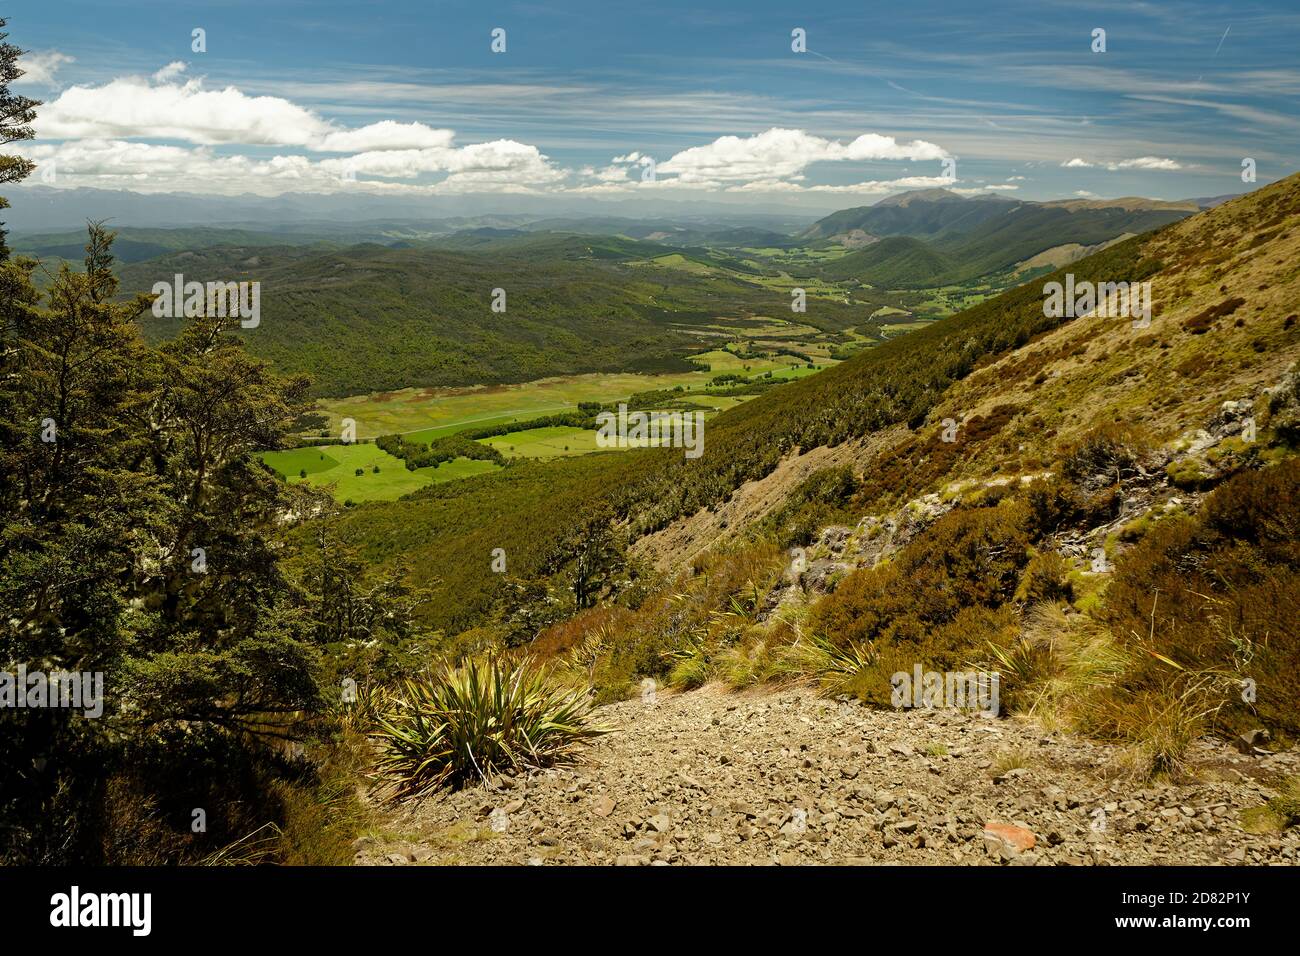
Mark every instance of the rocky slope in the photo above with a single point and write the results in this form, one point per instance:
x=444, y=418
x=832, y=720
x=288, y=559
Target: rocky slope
x=787, y=777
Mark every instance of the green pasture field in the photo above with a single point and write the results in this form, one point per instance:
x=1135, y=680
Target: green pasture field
x=337, y=465
x=551, y=442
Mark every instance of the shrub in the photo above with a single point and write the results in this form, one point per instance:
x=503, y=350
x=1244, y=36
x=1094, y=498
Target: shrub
x=1046, y=578
x=940, y=599
x=1104, y=455
x=1161, y=723
x=462, y=724
x=1221, y=592
x=1053, y=503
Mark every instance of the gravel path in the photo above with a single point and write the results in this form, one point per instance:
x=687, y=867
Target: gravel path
x=786, y=777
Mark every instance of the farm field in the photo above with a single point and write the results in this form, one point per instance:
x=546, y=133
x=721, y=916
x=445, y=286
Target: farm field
x=338, y=464
x=425, y=414
x=722, y=362
x=552, y=442
x=422, y=414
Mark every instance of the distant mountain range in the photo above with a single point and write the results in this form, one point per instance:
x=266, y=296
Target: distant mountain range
x=41, y=208
x=941, y=237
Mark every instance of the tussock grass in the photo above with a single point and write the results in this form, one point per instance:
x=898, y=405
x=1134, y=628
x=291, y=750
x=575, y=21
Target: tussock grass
x=1058, y=664
x=1010, y=760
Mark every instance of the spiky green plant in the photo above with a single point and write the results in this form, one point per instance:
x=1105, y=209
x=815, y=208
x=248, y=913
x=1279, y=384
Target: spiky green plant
x=359, y=714
x=463, y=724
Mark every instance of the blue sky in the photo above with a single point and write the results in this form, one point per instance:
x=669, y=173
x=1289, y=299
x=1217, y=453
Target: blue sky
x=394, y=96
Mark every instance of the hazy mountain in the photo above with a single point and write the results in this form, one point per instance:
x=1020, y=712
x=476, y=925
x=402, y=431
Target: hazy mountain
x=970, y=237
x=921, y=213
x=37, y=208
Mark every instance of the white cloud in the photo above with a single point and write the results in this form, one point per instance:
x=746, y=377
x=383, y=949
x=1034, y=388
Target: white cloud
x=1147, y=162
x=151, y=167
x=135, y=108
x=40, y=67
x=171, y=71
x=487, y=161
x=1141, y=162
x=386, y=134
x=168, y=131
x=779, y=154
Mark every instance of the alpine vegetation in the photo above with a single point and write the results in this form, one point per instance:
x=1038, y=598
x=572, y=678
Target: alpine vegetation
x=992, y=558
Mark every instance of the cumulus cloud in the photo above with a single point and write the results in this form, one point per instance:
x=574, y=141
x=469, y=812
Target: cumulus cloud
x=39, y=67
x=169, y=131
x=1147, y=162
x=780, y=154
x=100, y=127
x=386, y=134
x=142, y=108
x=151, y=167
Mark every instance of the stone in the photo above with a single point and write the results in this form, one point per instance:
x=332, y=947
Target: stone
x=1252, y=741
x=1007, y=839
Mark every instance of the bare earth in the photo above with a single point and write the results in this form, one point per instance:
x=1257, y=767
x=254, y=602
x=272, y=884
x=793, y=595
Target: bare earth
x=787, y=777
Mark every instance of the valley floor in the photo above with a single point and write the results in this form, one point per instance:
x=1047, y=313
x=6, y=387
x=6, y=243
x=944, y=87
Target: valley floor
x=787, y=777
